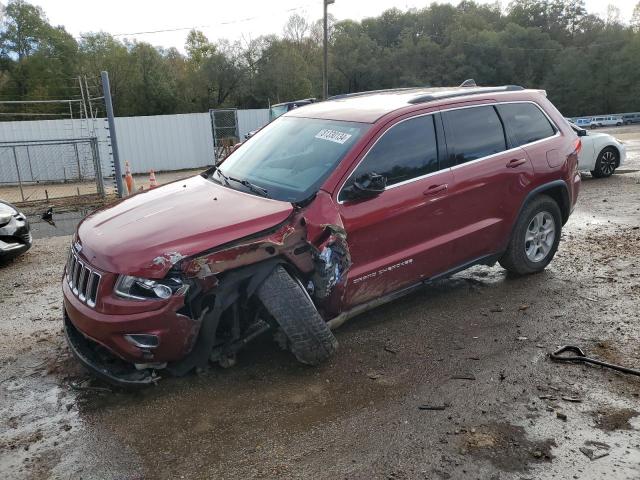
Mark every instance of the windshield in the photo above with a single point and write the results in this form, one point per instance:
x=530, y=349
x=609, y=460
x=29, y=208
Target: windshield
x=275, y=112
x=290, y=158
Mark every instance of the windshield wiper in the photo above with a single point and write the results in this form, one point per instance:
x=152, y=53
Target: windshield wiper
x=251, y=186
x=222, y=175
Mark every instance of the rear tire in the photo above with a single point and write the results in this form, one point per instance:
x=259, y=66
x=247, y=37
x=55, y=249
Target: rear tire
x=606, y=163
x=535, y=237
x=308, y=335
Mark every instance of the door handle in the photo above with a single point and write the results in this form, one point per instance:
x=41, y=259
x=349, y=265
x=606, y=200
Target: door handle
x=434, y=189
x=516, y=162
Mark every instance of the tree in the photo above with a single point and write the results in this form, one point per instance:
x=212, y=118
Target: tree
x=198, y=48
x=43, y=54
x=282, y=73
x=613, y=15
x=354, y=55
x=635, y=18
x=24, y=26
x=296, y=29
x=153, y=90
x=562, y=19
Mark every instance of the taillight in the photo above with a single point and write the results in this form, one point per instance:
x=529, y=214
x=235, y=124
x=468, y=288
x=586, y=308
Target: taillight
x=577, y=146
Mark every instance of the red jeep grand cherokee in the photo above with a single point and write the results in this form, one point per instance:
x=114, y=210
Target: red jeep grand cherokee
x=330, y=210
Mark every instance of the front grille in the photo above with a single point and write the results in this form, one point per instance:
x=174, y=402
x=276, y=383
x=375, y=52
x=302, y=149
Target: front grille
x=82, y=279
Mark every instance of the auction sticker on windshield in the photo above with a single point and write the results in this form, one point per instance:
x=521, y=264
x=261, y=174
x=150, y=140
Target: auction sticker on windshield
x=333, y=135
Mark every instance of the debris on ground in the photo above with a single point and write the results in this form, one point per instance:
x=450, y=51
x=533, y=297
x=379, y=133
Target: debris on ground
x=614, y=419
x=595, y=450
x=580, y=356
x=432, y=407
x=572, y=399
x=463, y=377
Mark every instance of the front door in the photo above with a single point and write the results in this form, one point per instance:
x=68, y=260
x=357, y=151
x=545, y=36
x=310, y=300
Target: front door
x=399, y=236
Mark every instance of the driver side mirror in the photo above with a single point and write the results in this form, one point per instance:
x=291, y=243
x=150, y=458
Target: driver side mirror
x=366, y=186
x=582, y=132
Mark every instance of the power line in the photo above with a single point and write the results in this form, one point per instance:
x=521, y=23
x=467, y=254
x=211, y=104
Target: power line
x=229, y=22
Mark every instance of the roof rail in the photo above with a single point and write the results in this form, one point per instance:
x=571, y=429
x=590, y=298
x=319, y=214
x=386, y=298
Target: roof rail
x=463, y=92
x=369, y=92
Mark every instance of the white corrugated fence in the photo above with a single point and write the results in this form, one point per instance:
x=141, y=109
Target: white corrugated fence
x=162, y=143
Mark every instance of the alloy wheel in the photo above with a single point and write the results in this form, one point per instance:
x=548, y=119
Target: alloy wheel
x=608, y=162
x=540, y=235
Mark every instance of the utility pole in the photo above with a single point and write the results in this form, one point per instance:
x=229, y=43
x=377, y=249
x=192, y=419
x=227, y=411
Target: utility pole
x=106, y=91
x=325, y=74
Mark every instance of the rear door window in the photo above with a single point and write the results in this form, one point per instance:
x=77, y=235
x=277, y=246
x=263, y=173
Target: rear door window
x=407, y=150
x=473, y=133
x=525, y=123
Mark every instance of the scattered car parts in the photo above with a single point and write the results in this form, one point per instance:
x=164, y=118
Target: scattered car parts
x=580, y=356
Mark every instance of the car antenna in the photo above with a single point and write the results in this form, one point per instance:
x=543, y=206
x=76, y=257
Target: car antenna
x=470, y=82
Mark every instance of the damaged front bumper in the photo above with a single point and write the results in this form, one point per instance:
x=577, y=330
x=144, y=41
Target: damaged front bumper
x=102, y=363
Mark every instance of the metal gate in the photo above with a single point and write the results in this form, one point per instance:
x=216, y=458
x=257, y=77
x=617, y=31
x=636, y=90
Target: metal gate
x=43, y=169
x=225, y=131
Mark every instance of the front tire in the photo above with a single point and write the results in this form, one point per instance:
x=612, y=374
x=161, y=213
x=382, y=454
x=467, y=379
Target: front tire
x=308, y=335
x=606, y=163
x=535, y=237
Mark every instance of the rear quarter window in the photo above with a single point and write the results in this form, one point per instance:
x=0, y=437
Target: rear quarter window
x=525, y=123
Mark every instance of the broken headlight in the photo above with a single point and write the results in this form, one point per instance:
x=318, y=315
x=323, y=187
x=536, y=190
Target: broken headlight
x=145, y=289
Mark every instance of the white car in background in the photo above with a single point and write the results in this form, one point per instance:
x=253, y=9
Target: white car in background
x=606, y=121
x=601, y=153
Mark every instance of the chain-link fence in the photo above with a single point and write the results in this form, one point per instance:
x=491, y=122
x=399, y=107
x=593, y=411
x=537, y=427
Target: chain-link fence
x=225, y=131
x=42, y=170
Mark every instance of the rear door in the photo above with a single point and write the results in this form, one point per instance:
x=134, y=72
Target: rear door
x=400, y=236
x=491, y=179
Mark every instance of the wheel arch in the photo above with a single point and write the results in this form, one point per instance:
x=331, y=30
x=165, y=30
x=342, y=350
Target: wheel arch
x=558, y=191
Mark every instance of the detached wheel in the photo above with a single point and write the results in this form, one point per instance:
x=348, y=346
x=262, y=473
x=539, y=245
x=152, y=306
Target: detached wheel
x=606, y=163
x=535, y=237
x=308, y=335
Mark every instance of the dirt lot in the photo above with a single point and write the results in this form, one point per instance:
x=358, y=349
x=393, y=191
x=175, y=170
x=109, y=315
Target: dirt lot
x=475, y=345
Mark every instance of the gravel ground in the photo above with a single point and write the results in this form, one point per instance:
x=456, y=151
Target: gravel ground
x=475, y=346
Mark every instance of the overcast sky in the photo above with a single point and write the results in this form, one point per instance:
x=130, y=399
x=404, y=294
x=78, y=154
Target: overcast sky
x=232, y=20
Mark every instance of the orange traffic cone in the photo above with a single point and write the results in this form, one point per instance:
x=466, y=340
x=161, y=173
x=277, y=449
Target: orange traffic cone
x=152, y=180
x=128, y=179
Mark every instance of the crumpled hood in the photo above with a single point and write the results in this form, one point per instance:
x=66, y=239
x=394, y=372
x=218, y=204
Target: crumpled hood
x=146, y=234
